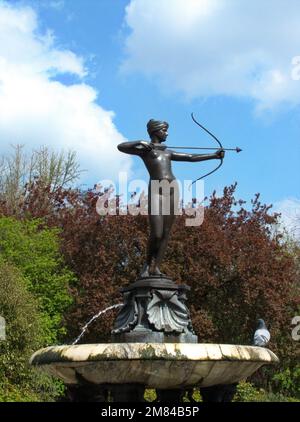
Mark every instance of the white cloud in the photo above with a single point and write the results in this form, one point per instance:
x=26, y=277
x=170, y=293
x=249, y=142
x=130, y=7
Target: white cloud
x=217, y=47
x=36, y=109
x=289, y=209
x=56, y=4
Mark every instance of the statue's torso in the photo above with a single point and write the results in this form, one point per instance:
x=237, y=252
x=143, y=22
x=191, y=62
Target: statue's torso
x=158, y=163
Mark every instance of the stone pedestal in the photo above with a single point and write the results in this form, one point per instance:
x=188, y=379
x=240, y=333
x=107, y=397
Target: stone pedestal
x=154, y=311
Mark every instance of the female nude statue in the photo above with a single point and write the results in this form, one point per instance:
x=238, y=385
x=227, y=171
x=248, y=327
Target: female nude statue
x=157, y=158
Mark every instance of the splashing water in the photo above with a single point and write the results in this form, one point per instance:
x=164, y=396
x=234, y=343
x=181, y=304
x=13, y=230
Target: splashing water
x=93, y=319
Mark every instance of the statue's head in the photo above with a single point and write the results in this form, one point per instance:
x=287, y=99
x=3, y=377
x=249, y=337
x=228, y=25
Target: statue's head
x=158, y=129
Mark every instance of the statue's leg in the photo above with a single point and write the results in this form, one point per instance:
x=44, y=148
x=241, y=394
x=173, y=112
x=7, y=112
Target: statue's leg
x=156, y=223
x=168, y=221
x=156, y=234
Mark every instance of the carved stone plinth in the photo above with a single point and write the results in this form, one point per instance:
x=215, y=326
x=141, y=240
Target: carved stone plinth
x=154, y=311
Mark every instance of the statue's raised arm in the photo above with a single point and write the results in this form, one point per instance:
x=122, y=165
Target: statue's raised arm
x=135, y=147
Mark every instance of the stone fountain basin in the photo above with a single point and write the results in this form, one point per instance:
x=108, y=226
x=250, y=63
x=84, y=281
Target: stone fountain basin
x=154, y=365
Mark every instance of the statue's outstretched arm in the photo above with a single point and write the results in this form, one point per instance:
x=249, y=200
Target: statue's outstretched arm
x=182, y=156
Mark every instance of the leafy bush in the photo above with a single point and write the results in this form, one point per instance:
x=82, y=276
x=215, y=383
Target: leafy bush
x=34, y=294
x=23, y=336
x=287, y=382
x=34, y=250
x=246, y=392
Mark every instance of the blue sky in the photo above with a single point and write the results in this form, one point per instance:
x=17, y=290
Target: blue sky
x=88, y=74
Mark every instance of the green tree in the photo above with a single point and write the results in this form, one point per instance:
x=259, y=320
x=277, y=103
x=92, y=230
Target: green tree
x=24, y=335
x=34, y=249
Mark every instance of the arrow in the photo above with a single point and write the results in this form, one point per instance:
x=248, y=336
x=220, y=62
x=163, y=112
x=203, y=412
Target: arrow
x=237, y=149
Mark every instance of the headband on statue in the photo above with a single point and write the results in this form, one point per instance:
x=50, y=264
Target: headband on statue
x=156, y=125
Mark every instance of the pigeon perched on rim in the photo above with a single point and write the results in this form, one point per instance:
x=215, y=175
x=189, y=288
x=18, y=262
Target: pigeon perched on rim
x=262, y=335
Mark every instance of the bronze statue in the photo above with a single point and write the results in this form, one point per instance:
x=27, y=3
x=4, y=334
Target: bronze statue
x=157, y=158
